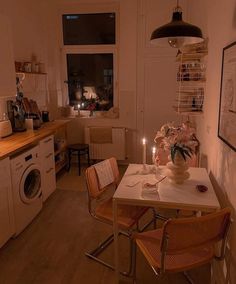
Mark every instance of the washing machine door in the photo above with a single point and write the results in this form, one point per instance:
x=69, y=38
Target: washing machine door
x=30, y=184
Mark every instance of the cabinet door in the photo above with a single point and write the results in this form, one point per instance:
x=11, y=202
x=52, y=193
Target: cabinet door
x=7, y=68
x=48, y=176
x=6, y=211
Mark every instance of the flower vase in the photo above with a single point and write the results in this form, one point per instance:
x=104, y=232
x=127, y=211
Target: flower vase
x=177, y=171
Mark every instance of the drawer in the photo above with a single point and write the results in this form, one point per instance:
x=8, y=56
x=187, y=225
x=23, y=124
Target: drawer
x=47, y=145
x=48, y=182
x=47, y=162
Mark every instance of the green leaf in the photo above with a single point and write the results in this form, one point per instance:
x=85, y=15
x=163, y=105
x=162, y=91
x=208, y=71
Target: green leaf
x=184, y=150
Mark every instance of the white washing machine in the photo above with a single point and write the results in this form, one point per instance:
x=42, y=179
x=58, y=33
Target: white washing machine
x=26, y=187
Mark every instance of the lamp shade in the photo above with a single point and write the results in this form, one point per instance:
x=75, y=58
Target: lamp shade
x=176, y=33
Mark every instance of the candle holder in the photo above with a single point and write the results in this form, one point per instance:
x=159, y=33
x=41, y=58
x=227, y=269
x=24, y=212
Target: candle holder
x=156, y=163
x=145, y=170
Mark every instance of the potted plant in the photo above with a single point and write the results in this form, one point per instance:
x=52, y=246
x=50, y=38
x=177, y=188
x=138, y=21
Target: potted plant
x=179, y=144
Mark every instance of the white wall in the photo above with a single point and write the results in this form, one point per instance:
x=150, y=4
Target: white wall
x=7, y=76
x=30, y=34
x=156, y=81
x=218, y=18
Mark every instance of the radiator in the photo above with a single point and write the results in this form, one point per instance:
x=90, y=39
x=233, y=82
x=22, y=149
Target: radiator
x=103, y=151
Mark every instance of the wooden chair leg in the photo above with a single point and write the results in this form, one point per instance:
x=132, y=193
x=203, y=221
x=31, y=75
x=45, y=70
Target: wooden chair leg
x=188, y=277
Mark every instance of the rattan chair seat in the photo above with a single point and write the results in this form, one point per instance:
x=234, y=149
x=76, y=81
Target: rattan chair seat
x=127, y=215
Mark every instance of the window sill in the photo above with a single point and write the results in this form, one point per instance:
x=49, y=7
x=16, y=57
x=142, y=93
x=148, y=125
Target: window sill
x=113, y=113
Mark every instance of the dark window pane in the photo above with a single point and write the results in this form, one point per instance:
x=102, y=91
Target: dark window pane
x=88, y=29
x=90, y=80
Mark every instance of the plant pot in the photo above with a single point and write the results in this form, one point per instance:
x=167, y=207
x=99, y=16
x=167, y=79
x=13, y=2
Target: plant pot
x=177, y=172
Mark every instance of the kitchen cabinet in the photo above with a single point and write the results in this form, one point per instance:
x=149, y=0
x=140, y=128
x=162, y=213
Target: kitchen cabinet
x=48, y=176
x=6, y=204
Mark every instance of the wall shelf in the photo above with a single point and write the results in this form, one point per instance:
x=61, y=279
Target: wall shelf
x=30, y=73
x=191, y=78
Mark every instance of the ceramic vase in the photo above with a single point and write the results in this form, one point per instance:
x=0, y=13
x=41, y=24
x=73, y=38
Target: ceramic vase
x=177, y=172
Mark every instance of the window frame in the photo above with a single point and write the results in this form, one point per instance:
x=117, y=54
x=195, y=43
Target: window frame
x=89, y=49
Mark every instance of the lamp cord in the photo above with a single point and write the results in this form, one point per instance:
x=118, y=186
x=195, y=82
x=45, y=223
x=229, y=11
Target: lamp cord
x=177, y=8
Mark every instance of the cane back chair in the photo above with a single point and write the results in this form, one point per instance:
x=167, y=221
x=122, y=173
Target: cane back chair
x=101, y=209
x=183, y=244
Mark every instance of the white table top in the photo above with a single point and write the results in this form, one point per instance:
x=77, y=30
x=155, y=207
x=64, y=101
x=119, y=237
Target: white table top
x=167, y=195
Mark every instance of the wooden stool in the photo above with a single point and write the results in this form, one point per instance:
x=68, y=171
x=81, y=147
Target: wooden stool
x=79, y=150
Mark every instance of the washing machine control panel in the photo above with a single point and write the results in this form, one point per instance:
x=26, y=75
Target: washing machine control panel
x=29, y=157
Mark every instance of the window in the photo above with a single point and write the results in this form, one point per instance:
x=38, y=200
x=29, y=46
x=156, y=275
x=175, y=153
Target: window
x=90, y=80
x=86, y=29
x=90, y=51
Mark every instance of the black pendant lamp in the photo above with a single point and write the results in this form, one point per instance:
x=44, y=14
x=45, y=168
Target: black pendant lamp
x=177, y=33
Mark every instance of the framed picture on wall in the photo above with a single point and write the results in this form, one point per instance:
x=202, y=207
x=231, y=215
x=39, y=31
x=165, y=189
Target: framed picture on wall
x=227, y=108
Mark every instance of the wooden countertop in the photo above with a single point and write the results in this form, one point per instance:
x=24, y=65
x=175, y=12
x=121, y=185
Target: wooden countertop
x=18, y=141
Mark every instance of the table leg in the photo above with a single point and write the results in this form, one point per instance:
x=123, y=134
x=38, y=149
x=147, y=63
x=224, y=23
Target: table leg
x=116, y=233
x=69, y=160
x=88, y=157
x=79, y=161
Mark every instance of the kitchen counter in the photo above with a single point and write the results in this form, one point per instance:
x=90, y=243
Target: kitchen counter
x=18, y=141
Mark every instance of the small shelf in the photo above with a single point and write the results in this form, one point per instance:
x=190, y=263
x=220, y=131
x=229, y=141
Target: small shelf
x=60, y=165
x=58, y=151
x=188, y=112
x=185, y=57
x=30, y=73
x=191, y=78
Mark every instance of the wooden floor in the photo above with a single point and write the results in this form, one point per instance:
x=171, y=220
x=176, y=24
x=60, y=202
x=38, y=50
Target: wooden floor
x=51, y=249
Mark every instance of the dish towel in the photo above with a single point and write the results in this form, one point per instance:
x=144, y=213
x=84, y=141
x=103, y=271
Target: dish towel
x=100, y=135
x=104, y=173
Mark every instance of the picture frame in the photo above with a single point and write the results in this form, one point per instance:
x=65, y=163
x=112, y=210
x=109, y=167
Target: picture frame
x=227, y=105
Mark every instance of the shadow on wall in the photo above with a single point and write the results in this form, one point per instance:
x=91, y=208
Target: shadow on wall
x=226, y=270
x=204, y=161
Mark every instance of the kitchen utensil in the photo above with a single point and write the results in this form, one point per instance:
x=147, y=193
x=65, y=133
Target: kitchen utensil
x=148, y=184
x=26, y=105
x=29, y=123
x=45, y=116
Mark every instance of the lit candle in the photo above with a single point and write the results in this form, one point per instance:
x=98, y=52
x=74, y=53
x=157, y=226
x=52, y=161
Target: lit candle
x=153, y=154
x=144, y=151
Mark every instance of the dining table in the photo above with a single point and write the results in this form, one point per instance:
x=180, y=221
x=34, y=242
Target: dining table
x=148, y=185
